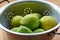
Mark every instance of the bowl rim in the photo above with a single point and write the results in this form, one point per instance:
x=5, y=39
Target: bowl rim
x=30, y=34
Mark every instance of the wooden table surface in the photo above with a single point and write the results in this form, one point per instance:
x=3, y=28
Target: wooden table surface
x=57, y=2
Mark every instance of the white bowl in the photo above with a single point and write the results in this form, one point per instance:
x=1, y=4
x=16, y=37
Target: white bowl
x=55, y=14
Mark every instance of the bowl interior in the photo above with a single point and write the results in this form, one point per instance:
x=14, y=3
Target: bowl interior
x=18, y=9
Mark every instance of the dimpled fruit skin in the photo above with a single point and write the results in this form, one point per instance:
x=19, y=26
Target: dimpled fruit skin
x=38, y=30
x=38, y=15
x=47, y=22
x=15, y=29
x=21, y=29
x=16, y=21
x=31, y=21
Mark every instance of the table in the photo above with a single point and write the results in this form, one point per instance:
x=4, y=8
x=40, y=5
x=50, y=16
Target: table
x=57, y=2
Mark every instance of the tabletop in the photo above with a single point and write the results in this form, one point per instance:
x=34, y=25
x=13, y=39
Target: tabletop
x=57, y=2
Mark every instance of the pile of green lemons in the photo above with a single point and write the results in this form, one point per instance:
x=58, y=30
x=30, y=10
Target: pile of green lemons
x=32, y=23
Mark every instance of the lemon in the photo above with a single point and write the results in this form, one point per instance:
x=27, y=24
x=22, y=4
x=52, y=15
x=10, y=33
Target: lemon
x=31, y=21
x=21, y=29
x=15, y=21
x=47, y=22
x=38, y=30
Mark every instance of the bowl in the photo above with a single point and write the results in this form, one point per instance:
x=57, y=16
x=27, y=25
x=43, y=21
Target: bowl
x=17, y=8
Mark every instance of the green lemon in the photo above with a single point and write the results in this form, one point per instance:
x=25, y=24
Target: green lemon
x=38, y=30
x=38, y=15
x=21, y=29
x=15, y=21
x=31, y=21
x=47, y=22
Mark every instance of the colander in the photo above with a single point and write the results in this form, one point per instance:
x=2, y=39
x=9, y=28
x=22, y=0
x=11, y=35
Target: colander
x=19, y=8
